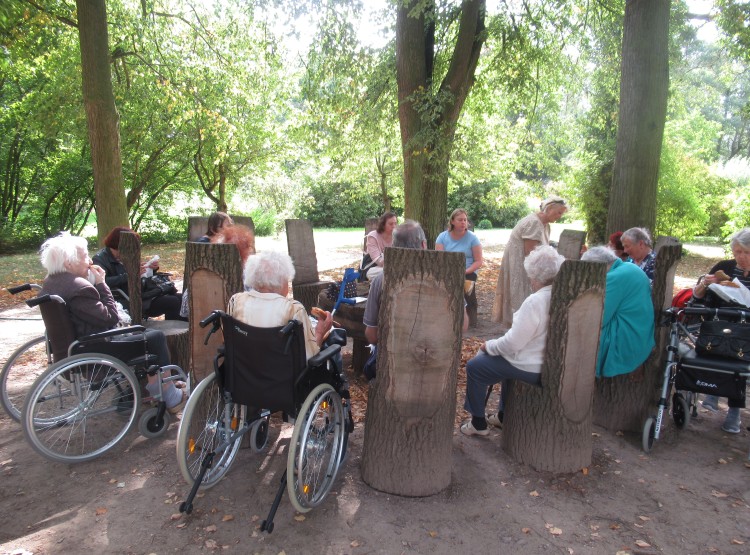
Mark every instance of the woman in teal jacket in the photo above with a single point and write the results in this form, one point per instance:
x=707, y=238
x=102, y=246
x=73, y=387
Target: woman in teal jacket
x=627, y=336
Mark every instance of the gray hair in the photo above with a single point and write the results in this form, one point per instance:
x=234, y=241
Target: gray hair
x=550, y=201
x=543, y=263
x=409, y=235
x=600, y=253
x=741, y=238
x=56, y=252
x=636, y=235
x=268, y=270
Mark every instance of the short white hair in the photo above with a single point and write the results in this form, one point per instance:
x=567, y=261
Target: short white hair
x=59, y=251
x=599, y=253
x=268, y=270
x=543, y=263
x=636, y=235
x=741, y=238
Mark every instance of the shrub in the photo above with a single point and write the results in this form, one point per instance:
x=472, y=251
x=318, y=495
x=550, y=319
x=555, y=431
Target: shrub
x=484, y=224
x=489, y=200
x=265, y=220
x=341, y=204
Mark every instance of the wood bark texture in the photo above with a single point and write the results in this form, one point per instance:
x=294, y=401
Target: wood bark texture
x=427, y=142
x=101, y=116
x=215, y=275
x=130, y=256
x=175, y=331
x=549, y=427
x=644, y=86
x=622, y=403
x=412, y=402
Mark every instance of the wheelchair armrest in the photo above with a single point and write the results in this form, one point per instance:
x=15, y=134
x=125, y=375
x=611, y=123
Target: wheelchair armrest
x=323, y=356
x=118, y=293
x=111, y=333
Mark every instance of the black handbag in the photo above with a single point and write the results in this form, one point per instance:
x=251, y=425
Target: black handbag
x=157, y=285
x=718, y=338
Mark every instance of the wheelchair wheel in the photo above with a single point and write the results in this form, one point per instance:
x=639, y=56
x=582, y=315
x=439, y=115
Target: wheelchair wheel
x=259, y=435
x=649, y=430
x=19, y=372
x=80, y=408
x=148, y=426
x=680, y=411
x=315, y=449
x=207, y=422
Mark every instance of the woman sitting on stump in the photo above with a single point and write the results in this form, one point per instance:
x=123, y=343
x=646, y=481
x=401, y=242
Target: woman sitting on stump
x=518, y=354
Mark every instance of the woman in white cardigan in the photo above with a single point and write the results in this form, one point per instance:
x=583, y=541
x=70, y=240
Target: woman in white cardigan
x=518, y=354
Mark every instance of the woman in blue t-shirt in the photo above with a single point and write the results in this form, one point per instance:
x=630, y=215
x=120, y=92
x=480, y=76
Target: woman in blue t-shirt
x=458, y=238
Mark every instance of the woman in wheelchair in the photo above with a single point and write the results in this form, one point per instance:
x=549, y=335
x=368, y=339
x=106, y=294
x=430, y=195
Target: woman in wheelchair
x=264, y=304
x=92, y=309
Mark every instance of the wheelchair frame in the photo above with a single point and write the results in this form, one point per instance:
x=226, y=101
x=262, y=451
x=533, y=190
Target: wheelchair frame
x=213, y=427
x=83, y=405
x=685, y=402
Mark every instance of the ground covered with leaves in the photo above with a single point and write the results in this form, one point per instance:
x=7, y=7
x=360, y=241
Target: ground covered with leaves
x=689, y=496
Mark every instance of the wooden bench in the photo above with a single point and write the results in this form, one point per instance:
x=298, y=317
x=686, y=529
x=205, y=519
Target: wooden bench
x=176, y=331
x=622, y=403
x=571, y=242
x=549, y=427
x=412, y=402
x=215, y=274
x=306, y=284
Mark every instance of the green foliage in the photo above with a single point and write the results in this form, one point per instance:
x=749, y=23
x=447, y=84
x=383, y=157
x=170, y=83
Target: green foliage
x=484, y=224
x=164, y=228
x=339, y=205
x=266, y=222
x=489, y=200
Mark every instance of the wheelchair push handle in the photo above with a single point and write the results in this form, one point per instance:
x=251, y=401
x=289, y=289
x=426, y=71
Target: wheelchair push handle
x=31, y=303
x=713, y=313
x=25, y=287
x=213, y=318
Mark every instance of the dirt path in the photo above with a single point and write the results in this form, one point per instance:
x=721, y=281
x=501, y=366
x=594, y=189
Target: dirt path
x=691, y=495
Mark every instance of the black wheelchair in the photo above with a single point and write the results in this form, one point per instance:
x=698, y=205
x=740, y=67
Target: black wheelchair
x=257, y=372
x=84, y=403
x=687, y=374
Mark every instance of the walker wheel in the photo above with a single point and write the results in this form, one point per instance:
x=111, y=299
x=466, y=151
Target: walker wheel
x=649, y=430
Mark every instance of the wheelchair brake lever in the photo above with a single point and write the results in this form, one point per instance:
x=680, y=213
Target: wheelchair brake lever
x=214, y=328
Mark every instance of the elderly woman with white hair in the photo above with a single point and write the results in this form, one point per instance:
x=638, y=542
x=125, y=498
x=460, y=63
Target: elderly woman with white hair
x=637, y=244
x=517, y=355
x=738, y=267
x=91, y=308
x=627, y=334
x=512, y=284
x=265, y=304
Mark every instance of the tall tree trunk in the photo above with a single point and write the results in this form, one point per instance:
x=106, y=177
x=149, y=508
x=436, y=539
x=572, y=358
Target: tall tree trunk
x=102, y=117
x=427, y=140
x=643, y=108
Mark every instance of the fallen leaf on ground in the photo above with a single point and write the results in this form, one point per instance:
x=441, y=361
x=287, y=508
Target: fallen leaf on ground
x=433, y=534
x=101, y=511
x=644, y=518
x=534, y=493
x=526, y=530
x=641, y=543
x=299, y=518
x=210, y=528
x=354, y=543
x=211, y=544
x=722, y=461
x=585, y=471
x=614, y=526
x=619, y=433
x=227, y=518
x=555, y=531
x=735, y=541
x=175, y=516
x=719, y=494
